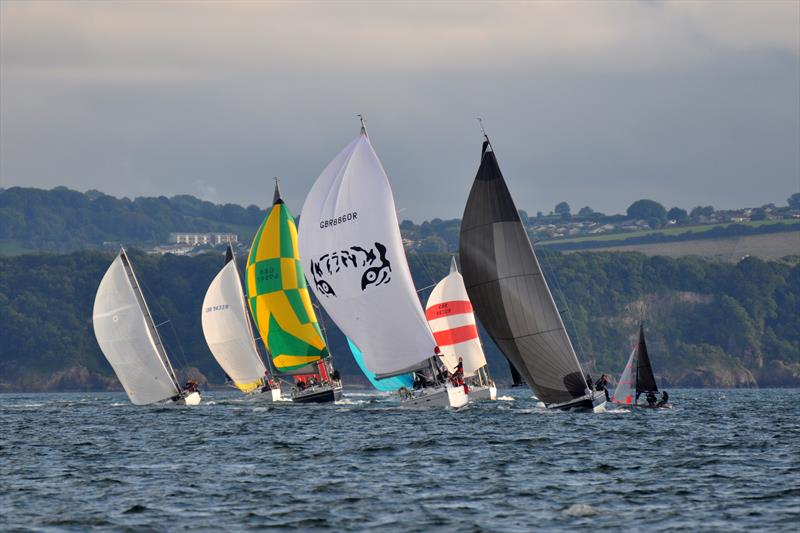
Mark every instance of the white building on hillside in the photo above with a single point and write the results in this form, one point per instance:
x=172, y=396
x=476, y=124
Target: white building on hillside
x=197, y=239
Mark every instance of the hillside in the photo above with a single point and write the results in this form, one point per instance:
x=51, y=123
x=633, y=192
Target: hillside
x=63, y=220
x=708, y=323
x=771, y=246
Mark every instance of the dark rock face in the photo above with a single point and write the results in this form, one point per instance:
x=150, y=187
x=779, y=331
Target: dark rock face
x=718, y=378
x=73, y=379
x=779, y=374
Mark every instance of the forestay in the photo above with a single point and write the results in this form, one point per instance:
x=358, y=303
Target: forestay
x=509, y=293
x=350, y=242
x=450, y=316
x=127, y=339
x=226, y=326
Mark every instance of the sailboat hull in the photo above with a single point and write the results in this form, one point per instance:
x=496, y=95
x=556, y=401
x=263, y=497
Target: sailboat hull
x=266, y=395
x=320, y=394
x=595, y=403
x=485, y=392
x=436, y=397
x=193, y=398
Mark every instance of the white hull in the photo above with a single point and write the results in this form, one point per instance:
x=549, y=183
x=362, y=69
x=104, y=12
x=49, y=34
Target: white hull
x=485, y=392
x=269, y=395
x=193, y=398
x=436, y=397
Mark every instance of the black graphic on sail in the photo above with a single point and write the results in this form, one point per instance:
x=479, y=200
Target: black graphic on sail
x=509, y=293
x=645, y=380
x=329, y=264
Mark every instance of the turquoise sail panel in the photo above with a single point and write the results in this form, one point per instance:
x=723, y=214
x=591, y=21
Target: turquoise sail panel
x=388, y=384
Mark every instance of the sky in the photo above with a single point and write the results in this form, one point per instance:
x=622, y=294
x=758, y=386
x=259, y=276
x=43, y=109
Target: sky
x=595, y=103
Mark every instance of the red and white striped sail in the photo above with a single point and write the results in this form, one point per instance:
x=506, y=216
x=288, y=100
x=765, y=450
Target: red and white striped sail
x=450, y=317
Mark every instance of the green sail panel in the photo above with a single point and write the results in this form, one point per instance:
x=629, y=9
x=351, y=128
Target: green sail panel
x=278, y=295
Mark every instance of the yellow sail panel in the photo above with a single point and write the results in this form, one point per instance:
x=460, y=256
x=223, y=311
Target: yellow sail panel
x=249, y=387
x=278, y=295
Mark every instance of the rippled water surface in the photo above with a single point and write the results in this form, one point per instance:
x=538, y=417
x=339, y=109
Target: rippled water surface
x=717, y=461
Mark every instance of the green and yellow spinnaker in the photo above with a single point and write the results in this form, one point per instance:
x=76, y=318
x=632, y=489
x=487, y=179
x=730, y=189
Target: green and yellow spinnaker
x=278, y=295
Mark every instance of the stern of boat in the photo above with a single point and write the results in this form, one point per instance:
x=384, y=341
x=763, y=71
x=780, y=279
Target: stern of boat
x=193, y=398
x=435, y=397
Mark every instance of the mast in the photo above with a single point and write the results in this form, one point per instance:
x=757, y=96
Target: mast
x=148, y=317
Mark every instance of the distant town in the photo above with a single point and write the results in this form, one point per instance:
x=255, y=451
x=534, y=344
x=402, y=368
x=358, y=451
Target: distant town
x=643, y=217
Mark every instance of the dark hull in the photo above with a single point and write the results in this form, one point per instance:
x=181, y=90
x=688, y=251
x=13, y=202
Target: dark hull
x=590, y=404
x=321, y=396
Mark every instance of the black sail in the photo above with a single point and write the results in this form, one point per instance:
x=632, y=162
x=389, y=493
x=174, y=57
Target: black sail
x=645, y=380
x=509, y=293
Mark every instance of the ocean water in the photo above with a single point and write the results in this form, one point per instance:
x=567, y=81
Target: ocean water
x=717, y=461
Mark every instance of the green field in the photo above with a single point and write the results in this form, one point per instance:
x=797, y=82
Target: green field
x=12, y=247
x=677, y=230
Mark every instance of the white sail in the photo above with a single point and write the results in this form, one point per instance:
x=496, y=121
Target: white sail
x=127, y=340
x=450, y=316
x=626, y=386
x=226, y=327
x=351, y=248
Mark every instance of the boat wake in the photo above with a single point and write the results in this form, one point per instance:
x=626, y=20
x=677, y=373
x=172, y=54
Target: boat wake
x=505, y=398
x=580, y=509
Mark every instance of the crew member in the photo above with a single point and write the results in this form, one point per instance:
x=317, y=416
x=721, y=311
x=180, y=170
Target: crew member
x=651, y=399
x=664, y=399
x=602, y=385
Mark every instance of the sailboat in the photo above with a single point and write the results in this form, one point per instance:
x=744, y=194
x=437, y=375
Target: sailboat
x=282, y=309
x=129, y=339
x=350, y=240
x=450, y=317
x=511, y=297
x=637, y=378
x=227, y=330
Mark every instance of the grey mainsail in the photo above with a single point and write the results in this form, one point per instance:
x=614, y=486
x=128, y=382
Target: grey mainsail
x=509, y=292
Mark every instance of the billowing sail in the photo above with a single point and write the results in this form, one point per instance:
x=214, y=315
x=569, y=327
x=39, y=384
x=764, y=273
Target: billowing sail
x=624, y=393
x=386, y=385
x=509, y=293
x=350, y=242
x=645, y=380
x=449, y=314
x=226, y=327
x=278, y=294
x=128, y=338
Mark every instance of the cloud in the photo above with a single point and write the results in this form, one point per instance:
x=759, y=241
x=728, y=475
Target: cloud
x=598, y=103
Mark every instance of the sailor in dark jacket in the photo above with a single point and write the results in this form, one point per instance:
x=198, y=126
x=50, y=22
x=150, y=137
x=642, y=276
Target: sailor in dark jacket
x=664, y=399
x=602, y=385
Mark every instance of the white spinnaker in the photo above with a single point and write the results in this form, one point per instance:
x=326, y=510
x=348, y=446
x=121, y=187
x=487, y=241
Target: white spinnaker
x=450, y=316
x=227, y=330
x=348, y=233
x=125, y=339
x=626, y=386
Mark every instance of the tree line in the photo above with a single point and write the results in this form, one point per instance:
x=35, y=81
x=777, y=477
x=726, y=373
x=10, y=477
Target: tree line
x=726, y=320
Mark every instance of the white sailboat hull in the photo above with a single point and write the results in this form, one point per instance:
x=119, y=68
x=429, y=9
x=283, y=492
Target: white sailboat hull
x=270, y=395
x=483, y=392
x=436, y=397
x=193, y=398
